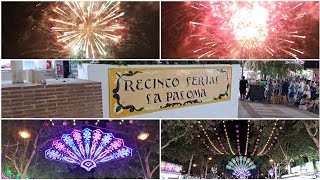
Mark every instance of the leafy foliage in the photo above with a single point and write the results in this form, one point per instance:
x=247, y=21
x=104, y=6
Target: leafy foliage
x=274, y=69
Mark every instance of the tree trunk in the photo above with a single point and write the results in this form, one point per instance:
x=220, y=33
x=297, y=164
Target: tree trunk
x=190, y=164
x=146, y=161
x=23, y=175
x=149, y=172
x=206, y=171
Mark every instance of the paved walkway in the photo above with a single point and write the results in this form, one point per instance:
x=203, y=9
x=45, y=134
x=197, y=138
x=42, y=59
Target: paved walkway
x=248, y=109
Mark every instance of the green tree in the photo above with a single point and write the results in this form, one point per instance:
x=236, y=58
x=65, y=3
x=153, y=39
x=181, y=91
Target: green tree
x=274, y=69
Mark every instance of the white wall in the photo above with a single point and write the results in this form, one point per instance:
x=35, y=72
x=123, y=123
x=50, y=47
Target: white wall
x=6, y=74
x=225, y=109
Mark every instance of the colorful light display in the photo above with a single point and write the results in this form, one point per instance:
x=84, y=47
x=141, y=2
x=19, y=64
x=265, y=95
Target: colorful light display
x=241, y=166
x=171, y=167
x=87, y=28
x=87, y=148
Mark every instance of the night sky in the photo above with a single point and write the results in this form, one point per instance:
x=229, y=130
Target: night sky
x=26, y=32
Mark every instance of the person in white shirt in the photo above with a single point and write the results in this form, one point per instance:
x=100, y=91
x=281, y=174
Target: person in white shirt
x=307, y=89
x=301, y=89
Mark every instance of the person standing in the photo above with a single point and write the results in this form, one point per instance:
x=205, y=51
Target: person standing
x=285, y=88
x=313, y=90
x=277, y=88
x=292, y=91
x=307, y=89
x=243, y=87
x=300, y=89
x=269, y=90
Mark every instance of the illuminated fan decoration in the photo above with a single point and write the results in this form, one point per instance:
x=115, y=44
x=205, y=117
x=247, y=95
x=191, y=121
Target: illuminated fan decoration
x=241, y=166
x=87, y=148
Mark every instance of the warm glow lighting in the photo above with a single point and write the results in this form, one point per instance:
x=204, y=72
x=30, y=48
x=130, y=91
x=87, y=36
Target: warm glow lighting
x=210, y=158
x=271, y=160
x=24, y=134
x=143, y=136
x=194, y=165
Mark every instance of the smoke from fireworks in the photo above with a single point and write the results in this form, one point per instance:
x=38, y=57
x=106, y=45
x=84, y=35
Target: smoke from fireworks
x=247, y=29
x=88, y=28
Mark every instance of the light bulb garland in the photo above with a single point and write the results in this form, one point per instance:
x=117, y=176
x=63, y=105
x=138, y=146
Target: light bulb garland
x=84, y=122
x=238, y=139
x=272, y=139
x=275, y=138
x=227, y=137
x=206, y=145
x=257, y=143
x=271, y=134
x=219, y=140
x=210, y=141
x=248, y=131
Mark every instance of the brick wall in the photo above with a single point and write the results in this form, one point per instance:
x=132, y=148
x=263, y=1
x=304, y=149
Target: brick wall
x=80, y=99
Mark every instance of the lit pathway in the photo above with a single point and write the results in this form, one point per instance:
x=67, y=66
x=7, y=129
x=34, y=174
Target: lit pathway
x=248, y=109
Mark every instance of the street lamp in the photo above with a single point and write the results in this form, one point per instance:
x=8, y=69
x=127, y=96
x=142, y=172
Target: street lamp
x=24, y=134
x=143, y=136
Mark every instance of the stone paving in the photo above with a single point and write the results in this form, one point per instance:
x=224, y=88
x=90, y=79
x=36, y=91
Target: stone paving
x=248, y=109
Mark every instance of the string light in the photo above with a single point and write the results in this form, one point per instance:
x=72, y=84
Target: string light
x=248, y=130
x=215, y=148
x=227, y=137
x=97, y=122
x=219, y=140
x=274, y=139
x=271, y=134
x=74, y=122
x=257, y=142
x=238, y=139
x=206, y=145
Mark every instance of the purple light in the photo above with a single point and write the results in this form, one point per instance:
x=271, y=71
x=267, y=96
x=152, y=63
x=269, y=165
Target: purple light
x=87, y=148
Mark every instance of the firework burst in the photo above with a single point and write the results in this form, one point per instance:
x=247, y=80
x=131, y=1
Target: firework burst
x=88, y=28
x=247, y=29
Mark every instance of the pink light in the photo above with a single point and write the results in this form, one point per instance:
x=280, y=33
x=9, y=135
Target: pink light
x=87, y=148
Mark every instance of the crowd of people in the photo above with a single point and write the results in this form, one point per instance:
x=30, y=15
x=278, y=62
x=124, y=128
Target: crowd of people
x=299, y=92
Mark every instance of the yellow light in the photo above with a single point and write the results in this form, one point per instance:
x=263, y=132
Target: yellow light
x=24, y=134
x=143, y=136
x=194, y=165
x=210, y=158
x=271, y=160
